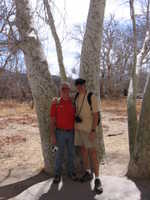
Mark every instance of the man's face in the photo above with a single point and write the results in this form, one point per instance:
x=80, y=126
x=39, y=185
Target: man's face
x=80, y=87
x=65, y=90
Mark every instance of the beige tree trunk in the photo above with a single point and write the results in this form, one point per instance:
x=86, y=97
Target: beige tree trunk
x=140, y=146
x=139, y=163
x=40, y=81
x=131, y=101
x=90, y=55
x=57, y=41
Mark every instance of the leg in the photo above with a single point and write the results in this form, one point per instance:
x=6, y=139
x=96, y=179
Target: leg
x=87, y=176
x=98, y=186
x=70, y=152
x=93, y=155
x=84, y=152
x=60, y=153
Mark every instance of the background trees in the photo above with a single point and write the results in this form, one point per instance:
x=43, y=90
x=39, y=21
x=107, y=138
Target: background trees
x=116, y=52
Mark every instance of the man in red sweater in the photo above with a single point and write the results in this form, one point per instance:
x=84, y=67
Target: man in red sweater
x=62, y=115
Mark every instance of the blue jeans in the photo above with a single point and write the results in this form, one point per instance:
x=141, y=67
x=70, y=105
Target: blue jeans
x=64, y=139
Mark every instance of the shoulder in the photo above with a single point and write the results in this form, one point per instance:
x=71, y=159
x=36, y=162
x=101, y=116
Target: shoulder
x=55, y=101
x=93, y=97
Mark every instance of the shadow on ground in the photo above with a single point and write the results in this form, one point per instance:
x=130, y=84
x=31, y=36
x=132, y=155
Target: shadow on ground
x=69, y=191
x=40, y=187
x=144, y=188
x=12, y=190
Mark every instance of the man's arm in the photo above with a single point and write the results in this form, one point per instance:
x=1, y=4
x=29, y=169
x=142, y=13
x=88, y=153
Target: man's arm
x=92, y=134
x=95, y=109
x=95, y=120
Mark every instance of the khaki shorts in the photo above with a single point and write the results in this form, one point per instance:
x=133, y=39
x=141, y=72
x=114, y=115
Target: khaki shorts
x=82, y=139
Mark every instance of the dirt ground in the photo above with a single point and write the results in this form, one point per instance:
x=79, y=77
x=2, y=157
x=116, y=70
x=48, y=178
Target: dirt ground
x=20, y=148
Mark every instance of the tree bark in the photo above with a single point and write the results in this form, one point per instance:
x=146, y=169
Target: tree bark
x=40, y=81
x=140, y=146
x=131, y=101
x=90, y=55
x=139, y=163
x=57, y=41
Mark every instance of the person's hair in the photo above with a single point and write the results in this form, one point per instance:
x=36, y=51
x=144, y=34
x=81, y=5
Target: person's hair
x=80, y=81
x=64, y=83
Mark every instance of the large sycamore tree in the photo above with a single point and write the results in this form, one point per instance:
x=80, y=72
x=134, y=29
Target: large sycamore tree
x=40, y=80
x=42, y=86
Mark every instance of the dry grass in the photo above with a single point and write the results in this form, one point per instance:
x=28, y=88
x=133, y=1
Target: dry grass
x=118, y=106
x=14, y=112
x=108, y=105
x=11, y=108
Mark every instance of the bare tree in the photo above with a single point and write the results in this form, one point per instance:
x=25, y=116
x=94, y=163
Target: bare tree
x=115, y=56
x=51, y=23
x=8, y=54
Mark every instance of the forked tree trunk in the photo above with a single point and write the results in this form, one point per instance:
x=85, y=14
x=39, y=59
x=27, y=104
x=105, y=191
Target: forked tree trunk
x=90, y=55
x=139, y=162
x=40, y=81
x=139, y=133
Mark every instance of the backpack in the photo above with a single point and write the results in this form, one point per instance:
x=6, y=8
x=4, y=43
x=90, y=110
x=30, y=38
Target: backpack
x=89, y=102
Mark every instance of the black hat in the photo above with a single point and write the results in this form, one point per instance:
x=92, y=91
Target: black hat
x=79, y=81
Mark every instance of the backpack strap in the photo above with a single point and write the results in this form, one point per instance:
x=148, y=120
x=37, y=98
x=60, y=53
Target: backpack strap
x=90, y=104
x=89, y=99
x=76, y=96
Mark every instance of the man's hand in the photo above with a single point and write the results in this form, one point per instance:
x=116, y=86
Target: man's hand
x=92, y=135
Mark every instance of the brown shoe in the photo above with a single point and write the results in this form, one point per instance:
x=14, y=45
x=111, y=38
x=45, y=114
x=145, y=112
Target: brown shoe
x=73, y=177
x=86, y=177
x=57, y=179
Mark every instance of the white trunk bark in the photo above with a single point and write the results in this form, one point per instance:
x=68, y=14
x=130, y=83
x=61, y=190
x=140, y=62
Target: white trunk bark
x=140, y=146
x=57, y=41
x=90, y=54
x=131, y=101
x=39, y=77
x=139, y=163
x=144, y=51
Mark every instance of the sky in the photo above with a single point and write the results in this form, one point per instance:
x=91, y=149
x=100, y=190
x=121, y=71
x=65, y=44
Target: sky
x=75, y=12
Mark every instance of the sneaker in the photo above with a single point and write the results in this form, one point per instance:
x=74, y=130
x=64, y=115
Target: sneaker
x=73, y=176
x=98, y=186
x=86, y=177
x=57, y=179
